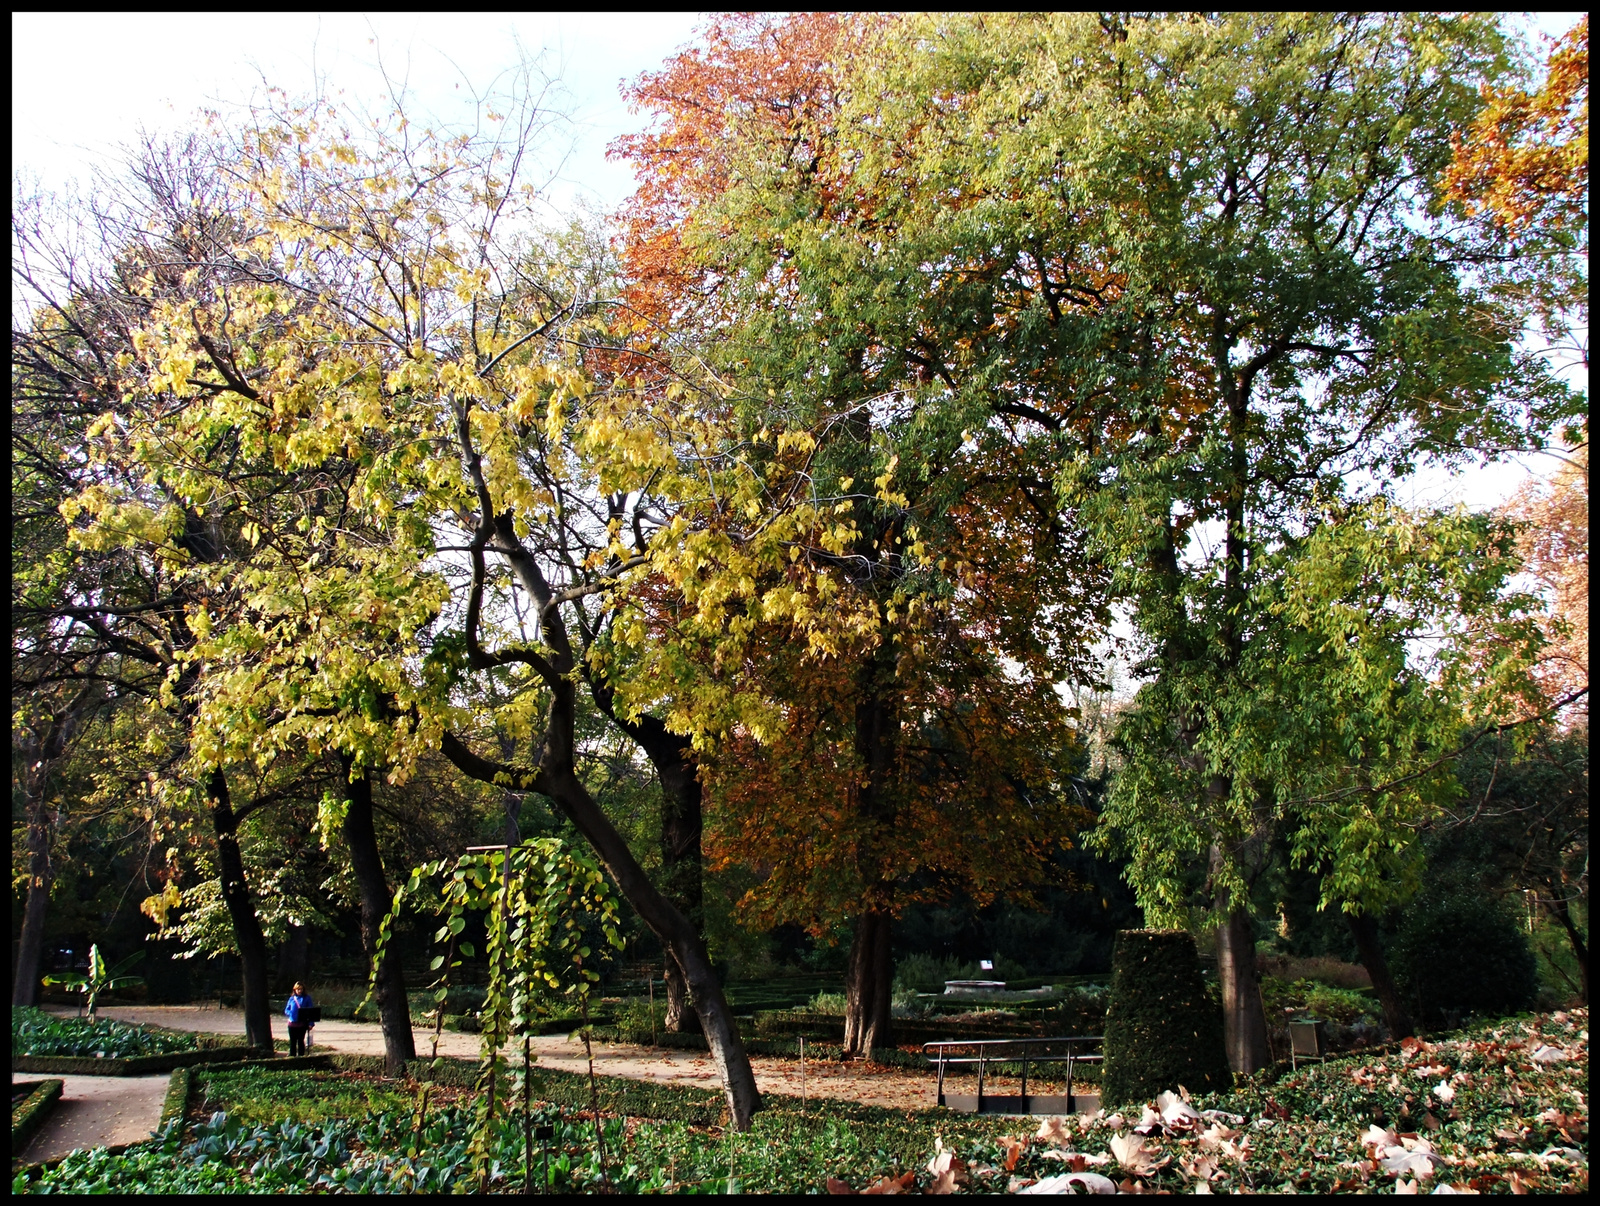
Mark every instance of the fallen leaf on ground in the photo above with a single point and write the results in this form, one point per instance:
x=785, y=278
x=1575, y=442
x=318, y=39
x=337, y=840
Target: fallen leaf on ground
x=904, y=1183
x=1054, y=1130
x=1072, y=1182
x=1132, y=1154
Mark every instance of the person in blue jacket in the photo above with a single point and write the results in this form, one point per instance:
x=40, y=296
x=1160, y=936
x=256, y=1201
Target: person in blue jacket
x=299, y=1025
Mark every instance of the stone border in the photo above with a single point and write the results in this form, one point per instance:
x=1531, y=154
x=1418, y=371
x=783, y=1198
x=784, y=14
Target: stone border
x=27, y=1118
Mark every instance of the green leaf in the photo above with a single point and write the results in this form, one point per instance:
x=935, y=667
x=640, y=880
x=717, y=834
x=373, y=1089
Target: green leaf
x=466, y=948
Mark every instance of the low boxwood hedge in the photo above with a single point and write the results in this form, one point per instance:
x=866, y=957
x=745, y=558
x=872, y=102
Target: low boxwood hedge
x=29, y=1114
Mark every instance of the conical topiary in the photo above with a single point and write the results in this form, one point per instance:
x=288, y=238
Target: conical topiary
x=1162, y=1030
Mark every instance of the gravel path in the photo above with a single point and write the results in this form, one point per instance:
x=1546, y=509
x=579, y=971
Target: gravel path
x=95, y=1111
x=897, y=1088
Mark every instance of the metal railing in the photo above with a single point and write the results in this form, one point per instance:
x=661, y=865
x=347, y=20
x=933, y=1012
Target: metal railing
x=1028, y=1052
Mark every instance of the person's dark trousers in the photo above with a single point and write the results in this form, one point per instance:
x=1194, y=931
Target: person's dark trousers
x=297, y=1039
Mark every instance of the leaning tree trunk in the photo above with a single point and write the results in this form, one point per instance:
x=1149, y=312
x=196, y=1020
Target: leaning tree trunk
x=682, y=801
x=394, y=1011
x=242, y=910
x=677, y=936
x=1365, y=931
x=869, y=985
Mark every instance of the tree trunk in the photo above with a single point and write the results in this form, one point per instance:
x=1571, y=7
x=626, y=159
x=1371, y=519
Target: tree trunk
x=1244, y=1020
x=394, y=1012
x=680, y=939
x=294, y=959
x=1580, y=948
x=30, y=951
x=681, y=879
x=39, y=758
x=1365, y=931
x=682, y=800
x=242, y=910
x=868, y=986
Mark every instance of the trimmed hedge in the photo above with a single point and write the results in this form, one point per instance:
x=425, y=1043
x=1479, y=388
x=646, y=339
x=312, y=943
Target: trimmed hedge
x=176, y=1104
x=1463, y=952
x=29, y=1115
x=141, y=1065
x=1162, y=1030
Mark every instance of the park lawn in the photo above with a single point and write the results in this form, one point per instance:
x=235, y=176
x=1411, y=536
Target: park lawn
x=1498, y=1107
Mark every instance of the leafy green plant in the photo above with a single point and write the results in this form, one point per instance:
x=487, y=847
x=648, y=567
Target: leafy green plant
x=99, y=977
x=34, y=1032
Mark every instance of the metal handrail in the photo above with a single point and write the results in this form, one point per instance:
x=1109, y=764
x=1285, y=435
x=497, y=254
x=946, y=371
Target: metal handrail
x=937, y=1053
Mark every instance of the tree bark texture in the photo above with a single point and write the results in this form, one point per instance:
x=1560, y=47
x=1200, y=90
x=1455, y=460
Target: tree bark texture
x=869, y=985
x=681, y=871
x=394, y=1011
x=1365, y=932
x=241, y=906
x=1244, y=1021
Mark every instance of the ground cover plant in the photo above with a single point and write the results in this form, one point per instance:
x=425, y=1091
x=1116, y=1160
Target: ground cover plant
x=1501, y=1106
x=34, y=1032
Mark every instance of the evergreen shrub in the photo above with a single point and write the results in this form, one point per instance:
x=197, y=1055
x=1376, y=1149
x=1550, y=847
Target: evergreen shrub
x=1461, y=952
x=1162, y=1030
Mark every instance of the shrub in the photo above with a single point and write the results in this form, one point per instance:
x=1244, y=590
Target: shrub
x=1161, y=1029
x=1460, y=952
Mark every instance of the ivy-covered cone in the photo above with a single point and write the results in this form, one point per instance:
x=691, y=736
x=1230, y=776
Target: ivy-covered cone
x=1162, y=1030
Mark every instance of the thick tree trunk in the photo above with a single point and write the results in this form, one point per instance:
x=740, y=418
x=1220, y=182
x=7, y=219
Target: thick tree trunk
x=394, y=1012
x=242, y=910
x=30, y=951
x=1365, y=931
x=1244, y=1020
x=868, y=986
x=294, y=959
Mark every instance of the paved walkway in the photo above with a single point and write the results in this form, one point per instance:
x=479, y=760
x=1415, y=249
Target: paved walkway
x=897, y=1088
x=95, y=1111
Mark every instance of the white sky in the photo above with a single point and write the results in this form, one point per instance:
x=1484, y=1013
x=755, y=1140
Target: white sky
x=84, y=83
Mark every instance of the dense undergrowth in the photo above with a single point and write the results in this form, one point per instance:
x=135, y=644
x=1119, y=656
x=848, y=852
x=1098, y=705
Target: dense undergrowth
x=1499, y=1107
x=34, y=1032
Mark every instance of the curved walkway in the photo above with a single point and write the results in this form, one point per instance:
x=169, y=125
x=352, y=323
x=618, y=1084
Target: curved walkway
x=96, y=1111
x=870, y=1084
